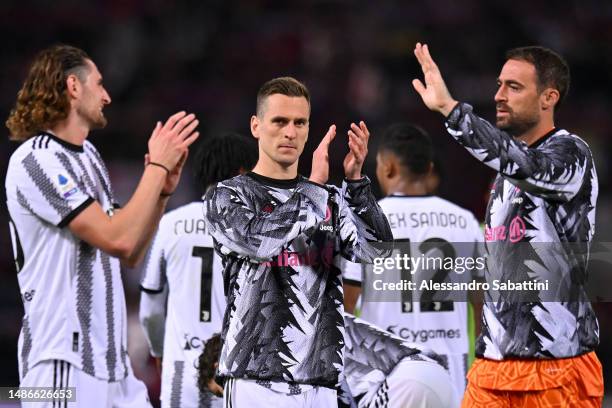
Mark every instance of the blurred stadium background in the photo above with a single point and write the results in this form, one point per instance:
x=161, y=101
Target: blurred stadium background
x=210, y=57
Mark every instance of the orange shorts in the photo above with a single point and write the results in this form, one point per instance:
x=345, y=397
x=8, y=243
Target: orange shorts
x=569, y=382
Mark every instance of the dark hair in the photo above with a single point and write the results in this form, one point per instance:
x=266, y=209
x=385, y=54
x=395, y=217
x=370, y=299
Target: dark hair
x=285, y=86
x=223, y=156
x=551, y=69
x=410, y=144
x=207, y=360
x=438, y=168
x=42, y=101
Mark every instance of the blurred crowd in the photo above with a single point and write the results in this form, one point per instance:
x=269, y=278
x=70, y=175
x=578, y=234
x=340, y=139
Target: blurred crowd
x=210, y=57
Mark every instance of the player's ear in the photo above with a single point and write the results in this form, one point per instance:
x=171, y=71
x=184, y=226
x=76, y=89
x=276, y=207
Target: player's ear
x=391, y=167
x=549, y=98
x=255, y=126
x=73, y=86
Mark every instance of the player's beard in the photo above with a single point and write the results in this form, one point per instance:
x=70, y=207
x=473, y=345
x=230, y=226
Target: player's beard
x=517, y=124
x=100, y=121
x=94, y=117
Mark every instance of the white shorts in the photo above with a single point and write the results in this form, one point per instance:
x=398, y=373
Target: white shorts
x=90, y=392
x=416, y=384
x=239, y=393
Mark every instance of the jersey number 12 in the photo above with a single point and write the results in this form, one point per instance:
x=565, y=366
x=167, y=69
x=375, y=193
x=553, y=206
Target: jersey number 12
x=427, y=303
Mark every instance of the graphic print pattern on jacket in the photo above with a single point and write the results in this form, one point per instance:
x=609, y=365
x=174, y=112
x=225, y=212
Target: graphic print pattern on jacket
x=543, y=198
x=278, y=240
x=371, y=354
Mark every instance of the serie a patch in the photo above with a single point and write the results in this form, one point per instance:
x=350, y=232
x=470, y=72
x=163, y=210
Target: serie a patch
x=67, y=186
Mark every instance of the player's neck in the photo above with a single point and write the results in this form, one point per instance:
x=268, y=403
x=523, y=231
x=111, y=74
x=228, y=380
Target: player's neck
x=537, y=132
x=409, y=187
x=275, y=170
x=71, y=130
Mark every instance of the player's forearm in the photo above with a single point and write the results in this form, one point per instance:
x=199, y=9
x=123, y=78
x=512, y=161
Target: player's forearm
x=261, y=236
x=362, y=222
x=479, y=137
x=542, y=171
x=359, y=197
x=142, y=246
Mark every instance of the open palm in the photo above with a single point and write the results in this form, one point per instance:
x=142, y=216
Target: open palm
x=434, y=93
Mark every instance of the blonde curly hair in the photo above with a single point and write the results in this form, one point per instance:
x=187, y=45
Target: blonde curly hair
x=43, y=101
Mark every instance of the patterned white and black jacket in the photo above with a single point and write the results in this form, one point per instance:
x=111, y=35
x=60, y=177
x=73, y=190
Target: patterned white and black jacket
x=540, y=223
x=279, y=240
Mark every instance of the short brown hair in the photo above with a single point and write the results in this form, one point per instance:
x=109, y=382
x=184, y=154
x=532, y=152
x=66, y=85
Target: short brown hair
x=551, y=69
x=43, y=101
x=285, y=86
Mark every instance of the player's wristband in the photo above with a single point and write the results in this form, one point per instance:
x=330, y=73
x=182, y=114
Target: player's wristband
x=160, y=165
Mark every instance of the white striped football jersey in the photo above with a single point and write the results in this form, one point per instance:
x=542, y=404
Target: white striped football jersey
x=72, y=292
x=183, y=285
x=434, y=228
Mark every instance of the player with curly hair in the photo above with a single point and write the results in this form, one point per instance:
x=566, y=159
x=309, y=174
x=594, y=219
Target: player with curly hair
x=69, y=236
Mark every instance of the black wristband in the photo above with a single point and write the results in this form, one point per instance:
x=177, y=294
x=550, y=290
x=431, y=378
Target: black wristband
x=160, y=165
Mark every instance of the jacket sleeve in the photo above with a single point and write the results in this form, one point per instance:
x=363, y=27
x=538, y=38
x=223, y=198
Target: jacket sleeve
x=361, y=222
x=554, y=170
x=241, y=230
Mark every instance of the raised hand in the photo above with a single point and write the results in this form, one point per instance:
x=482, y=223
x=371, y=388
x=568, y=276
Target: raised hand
x=174, y=176
x=358, y=150
x=169, y=142
x=320, y=158
x=434, y=93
